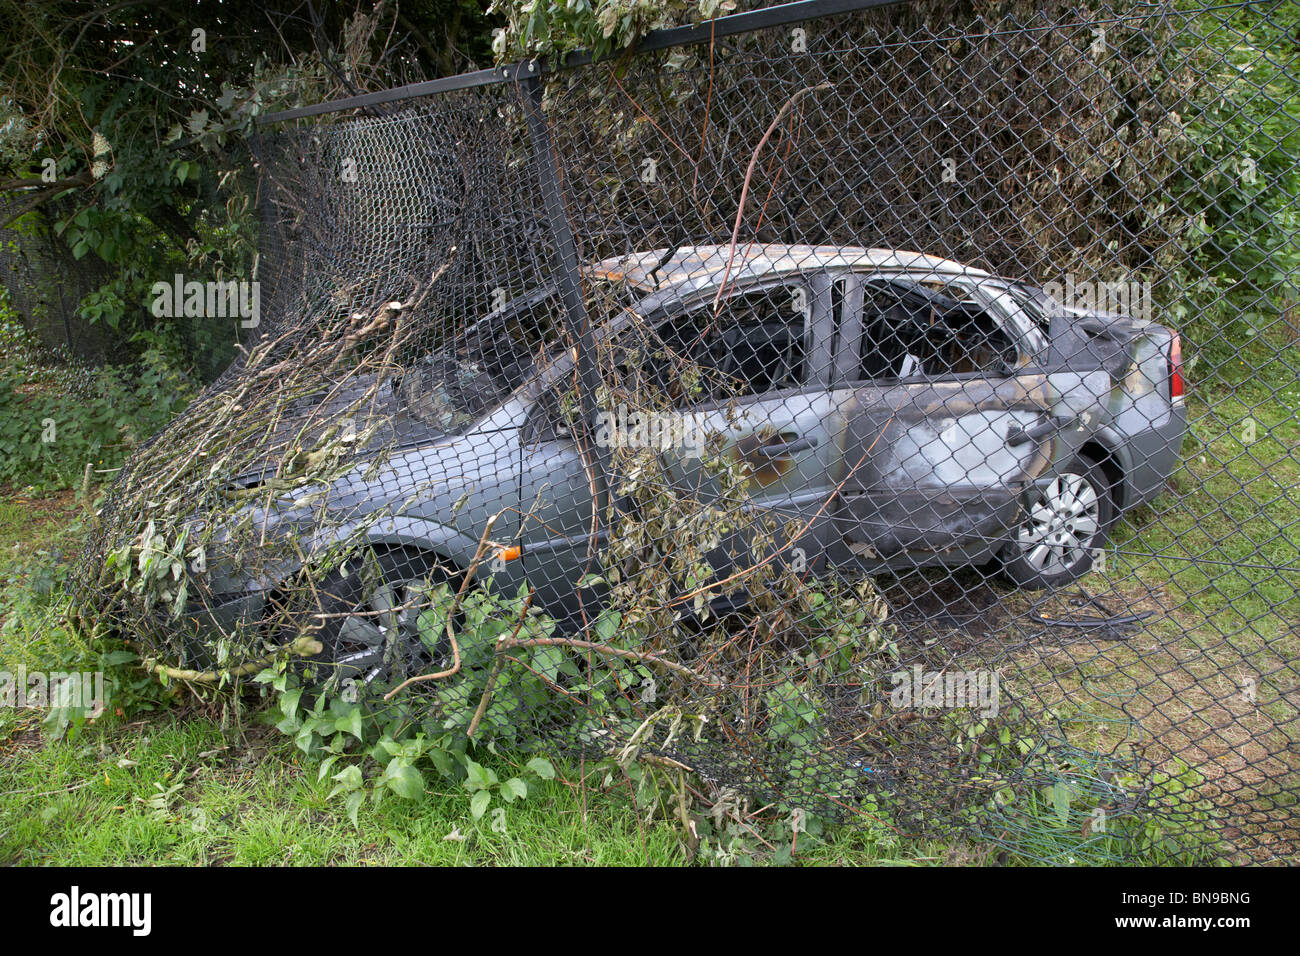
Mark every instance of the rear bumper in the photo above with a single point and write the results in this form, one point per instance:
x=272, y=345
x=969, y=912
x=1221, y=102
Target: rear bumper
x=1150, y=448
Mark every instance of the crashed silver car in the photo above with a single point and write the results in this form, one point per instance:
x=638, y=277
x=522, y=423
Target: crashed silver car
x=903, y=410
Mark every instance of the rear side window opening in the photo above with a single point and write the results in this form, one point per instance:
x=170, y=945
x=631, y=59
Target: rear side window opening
x=917, y=330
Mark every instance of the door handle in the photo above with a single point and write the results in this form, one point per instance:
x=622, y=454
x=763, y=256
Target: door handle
x=1016, y=435
x=790, y=447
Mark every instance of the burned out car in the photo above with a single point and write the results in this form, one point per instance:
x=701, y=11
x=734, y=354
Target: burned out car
x=900, y=409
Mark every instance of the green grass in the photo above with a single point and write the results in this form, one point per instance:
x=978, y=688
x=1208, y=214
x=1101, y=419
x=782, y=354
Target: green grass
x=1215, y=559
x=216, y=801
x=1237, y=506
x=177, y=790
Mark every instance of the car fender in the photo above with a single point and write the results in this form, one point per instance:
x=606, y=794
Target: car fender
x=1117, y=449
x=446, y=542
x=400, y=531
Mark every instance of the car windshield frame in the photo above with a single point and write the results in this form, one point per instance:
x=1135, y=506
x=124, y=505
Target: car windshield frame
x=457, y=352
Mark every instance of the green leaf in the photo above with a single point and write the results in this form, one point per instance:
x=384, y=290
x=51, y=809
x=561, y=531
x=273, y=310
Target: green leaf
x=607, y=625
x=514, y=789
x=289, y=702
x=404, y=780
x=325, y=766
x=477, y=776
x=349, y=779
x=479, y=804
x=306, y=737
x=354, y=804
x=542, y=767
x=548, y=661
x=350, y=722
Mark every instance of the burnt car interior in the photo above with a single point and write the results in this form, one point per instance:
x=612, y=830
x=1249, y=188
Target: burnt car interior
x=498, y=353
x=756, y=343
x=911, y=330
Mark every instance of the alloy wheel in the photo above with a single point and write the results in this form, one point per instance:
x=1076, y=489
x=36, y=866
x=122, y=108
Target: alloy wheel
x=1062, y=525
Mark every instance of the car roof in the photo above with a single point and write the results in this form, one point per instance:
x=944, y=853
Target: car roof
x=707, y=266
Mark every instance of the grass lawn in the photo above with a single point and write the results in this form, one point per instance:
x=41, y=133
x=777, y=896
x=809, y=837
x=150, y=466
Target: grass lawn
x=1212, y=679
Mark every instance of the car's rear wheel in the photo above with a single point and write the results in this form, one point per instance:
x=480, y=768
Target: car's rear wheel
x=1065, y=523
x=379, y=620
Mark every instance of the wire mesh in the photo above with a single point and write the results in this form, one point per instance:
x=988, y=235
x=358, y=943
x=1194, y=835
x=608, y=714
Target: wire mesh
x=890, y=415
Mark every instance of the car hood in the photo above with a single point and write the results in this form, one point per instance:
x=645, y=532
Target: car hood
x=379, y=418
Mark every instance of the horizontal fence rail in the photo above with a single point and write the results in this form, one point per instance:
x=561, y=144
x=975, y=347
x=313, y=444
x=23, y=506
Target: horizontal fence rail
x=780, y=15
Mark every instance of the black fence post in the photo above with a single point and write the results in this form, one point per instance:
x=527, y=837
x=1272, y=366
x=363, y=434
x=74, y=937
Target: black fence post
x=570, y=278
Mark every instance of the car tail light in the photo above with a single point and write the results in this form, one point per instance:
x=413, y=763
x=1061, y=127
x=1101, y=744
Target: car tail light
x=1176, y=383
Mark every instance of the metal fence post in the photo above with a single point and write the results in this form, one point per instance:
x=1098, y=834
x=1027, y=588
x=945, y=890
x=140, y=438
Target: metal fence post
x=570, y=280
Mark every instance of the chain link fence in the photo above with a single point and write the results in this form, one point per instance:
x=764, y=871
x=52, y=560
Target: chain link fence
x=43, y=284
x=883, y=411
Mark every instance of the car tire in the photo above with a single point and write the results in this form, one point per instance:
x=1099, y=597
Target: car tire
x=361, y=604
x=1065, y=523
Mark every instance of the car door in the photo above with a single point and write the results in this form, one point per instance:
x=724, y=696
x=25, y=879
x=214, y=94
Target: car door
x=764, y=405
x=743, y=381
x=560, y=530
x=950, y=417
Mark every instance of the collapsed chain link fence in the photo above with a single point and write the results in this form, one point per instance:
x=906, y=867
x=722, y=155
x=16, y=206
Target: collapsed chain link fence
x=890, y=414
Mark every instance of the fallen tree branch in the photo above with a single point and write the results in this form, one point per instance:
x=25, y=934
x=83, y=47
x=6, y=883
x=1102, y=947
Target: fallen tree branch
x=483, y=543
x=302, y=647
x=33, y=200
x=645, y=658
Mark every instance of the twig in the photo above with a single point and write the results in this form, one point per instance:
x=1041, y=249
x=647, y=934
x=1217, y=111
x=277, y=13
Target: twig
x=749, y=174
x=612, y=652
x=483, y=543
x=499, y=660
x=302, y=647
